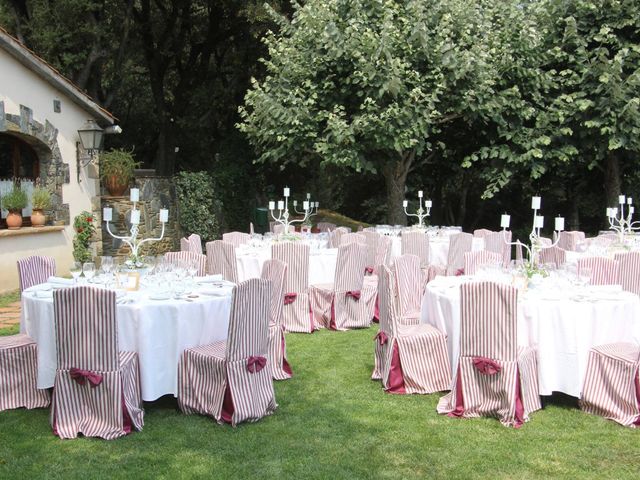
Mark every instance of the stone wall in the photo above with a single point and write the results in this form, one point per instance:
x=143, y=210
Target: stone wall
x=155, y=193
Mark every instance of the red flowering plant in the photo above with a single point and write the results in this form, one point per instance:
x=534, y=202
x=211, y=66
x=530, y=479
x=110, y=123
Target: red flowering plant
x=84, y=226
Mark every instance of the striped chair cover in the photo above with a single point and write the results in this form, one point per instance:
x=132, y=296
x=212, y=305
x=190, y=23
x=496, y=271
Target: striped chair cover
x=410, y=288
x=275, y=271
x=475, y=260
x=372, y=239
x=347, y=302
x=570, y=240
x=416, y=243
x=353, y=237
x=604, y=271
x=335, y=237
x=19, y=374
x=231, y=381
x=86, y=332
x=409, y=358
x=188, y=257
x=192, y=243
x=35, y=270
x=482, y=232
x=495, y=377
x=498, y=242
x=324, y=227
x=611, y=386
x=629, y=271
x=221, y=260
x=383, y=254
x=297, y=315
x=553, y=255
x=458, y=245
x=236, y=238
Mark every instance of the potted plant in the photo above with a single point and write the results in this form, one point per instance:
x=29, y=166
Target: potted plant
x=14, y=201
x=116, y=170
x=40, y=201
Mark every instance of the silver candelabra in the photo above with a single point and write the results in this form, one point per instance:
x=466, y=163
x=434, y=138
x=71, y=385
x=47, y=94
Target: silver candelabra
x=421, y=213
x=619, y=222
x=283, y=211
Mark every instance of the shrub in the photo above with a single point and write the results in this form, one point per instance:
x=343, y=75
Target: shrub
x=117, y=162
x=15, y=200
x=84, y=226
x=40, y=198
x=198, y=206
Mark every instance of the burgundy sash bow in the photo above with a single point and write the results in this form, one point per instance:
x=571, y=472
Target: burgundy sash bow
x=255, y=364
x=81, y=377
x=368, y=270
x=459, y=272
x=486, y=366
x=381, y=337
x=354, y=293
x=289, y=298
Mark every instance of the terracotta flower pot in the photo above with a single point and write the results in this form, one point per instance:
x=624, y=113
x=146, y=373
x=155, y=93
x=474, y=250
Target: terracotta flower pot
x=38, y=218
x=116, y=185
x=14, y=220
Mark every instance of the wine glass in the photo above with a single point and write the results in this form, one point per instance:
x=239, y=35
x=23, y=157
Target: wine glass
x=75, y=270
x=89, y=270
x=107, y=264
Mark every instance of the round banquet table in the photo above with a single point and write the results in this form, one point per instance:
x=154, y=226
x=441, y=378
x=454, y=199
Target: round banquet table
x=438, y=248
x=561, y=323
x=158, y=330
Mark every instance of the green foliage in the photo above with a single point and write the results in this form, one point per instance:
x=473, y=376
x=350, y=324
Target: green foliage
x=118, y=162
x=84, y=226
x=15, y=200
x=198, y=206
x=40, y=198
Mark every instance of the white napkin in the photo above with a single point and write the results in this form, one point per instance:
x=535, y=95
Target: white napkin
x=60, y=281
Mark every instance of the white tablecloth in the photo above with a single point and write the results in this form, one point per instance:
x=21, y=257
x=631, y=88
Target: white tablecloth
x=562, y=324
x=438, y=248
x=158, y=330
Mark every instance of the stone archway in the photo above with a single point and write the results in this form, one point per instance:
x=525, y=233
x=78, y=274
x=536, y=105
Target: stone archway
x=44, y=140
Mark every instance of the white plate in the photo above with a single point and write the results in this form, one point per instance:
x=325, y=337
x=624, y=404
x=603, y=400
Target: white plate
x=159, y=296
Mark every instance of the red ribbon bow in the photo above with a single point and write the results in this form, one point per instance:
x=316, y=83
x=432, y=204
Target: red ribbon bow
x=81, y=377
x=368, y=270
x=354, y=293
x=289, y=298
x=459, y=272
x=381, y=337
x=486, y=366
x=255, y=364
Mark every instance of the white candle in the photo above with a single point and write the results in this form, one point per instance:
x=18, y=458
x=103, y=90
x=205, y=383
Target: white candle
x=107, y=214
x=286, y=191
x=295, y=203
x=559, y=224
x=280, y=205
x=405, y=203
x=631, y=210
x=308, y=196
x=535, y=203
x=317, y=204
x=164, y=215
x=629, y=200
x=621, y=199
x=419, y=193
x=614, y=211
x=272, y=205
x=505, y=221
x=428, y=203
x=305, y=205
x=135, y=216
x=135, y=195
x=539, y=221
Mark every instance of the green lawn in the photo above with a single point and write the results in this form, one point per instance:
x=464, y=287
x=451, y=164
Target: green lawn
x=332, y=422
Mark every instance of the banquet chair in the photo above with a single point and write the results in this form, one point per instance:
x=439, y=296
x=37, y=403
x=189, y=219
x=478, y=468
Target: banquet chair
x=231, y=380
x=499, y=242
x=236, y=238
x=458, y=245
x=629, y=271
x=611, y=387
x=188, y=257
x=221, y=260
x=35, y=270
x=482, y=232
x=324, y=227
x=297, y=315
x=410, y=288
x=416, y=243
x=475, y=260
x=347, y=302
x=553, y=255
x=192, y=243
x=604, y=271
x=335, y=236
x=408, y=358
x=569, y=240
x=495, y=377
x=96, y=390
x=372, y=238
x=353, y=237
x=275, y=271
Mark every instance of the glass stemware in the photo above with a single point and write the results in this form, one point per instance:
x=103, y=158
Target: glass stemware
x=76, y=271
x=89, y=270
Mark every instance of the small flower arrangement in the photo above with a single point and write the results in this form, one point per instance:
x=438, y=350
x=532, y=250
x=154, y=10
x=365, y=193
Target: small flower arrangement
x=84, y=227
x=134, y=261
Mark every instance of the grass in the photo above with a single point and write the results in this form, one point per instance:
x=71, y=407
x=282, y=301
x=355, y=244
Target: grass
x=332, y=422
x=7, y=298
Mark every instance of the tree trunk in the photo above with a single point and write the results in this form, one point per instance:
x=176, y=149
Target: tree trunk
x=395, y=174
x=612, y=179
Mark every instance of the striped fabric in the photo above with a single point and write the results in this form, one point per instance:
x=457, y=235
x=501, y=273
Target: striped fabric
x=353, y=238
x=221, y=260
x=552, y=255
x=87, y=339
x=347, y=302
x=19, y=373
x=188, y=258
x=488, y=335
x=231, y=381
x=498, y=242
x=611, y=386
x=409, y=358
x=335, y=236
x=372, y=239
x=297, y=315
x=604, y=271
x=236, y=238
x=570, y=240
x=416, y=243
x=275, y=271
x=383, y=254
x=192, y=243
x=629, y=271
x=482, y=232
x=410, y=288
x=324, y=227
x=458, y=245
x=475, y=260
x=35, y=270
